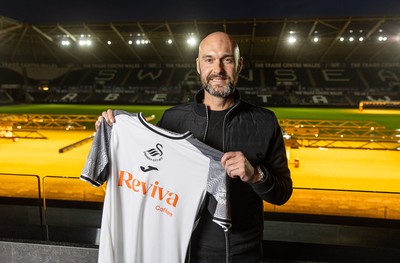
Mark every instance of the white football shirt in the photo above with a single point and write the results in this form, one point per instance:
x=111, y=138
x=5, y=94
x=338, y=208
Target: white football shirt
x=156, y=184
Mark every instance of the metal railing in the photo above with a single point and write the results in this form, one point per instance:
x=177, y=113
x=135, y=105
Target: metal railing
x=17, y=186
x=67, y=202
x=67, y=192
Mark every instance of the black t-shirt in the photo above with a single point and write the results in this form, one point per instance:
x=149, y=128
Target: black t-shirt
x=215, y=128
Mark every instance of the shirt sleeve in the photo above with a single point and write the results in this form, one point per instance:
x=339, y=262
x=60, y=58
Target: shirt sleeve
x=95, y=170
x=217, y=185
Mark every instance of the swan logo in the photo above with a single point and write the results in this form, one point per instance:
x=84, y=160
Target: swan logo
x=155, y=154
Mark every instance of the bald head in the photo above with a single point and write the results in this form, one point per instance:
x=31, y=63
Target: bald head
x=220, y=41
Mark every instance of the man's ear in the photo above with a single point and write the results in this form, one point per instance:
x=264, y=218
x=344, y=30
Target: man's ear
x=240, y=65
x=198, y=65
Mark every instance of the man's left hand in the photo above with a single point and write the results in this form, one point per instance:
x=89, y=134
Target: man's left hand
x=237, y=166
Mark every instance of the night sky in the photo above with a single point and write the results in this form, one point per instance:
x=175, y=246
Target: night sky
x=86, y=11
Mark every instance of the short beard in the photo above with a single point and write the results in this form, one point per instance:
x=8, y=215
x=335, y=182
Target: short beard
x=226, y=92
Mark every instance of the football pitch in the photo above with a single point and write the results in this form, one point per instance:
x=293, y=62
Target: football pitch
x=352, y=182
x=388, y=118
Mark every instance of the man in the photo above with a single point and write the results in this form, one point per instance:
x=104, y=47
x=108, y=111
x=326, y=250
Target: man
x=254, y=153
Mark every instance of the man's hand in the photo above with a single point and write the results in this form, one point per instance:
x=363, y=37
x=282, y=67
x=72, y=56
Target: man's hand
x=108, y=117
x=237, y=166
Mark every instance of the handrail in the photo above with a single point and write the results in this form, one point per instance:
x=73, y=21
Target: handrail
x=39, y=192
x=343, y=202
x=43, y=197
x=346, y=190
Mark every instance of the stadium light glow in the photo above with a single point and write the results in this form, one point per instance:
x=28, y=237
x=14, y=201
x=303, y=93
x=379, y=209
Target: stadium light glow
x=85, y=42
x=191, y=41
x=108, y=42
x=142, y=40
x=315, y=39
x=65, y=43
x=169, y=41
x=291, y=39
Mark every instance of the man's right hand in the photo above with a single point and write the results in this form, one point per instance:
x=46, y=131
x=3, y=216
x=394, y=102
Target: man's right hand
x=108, y=117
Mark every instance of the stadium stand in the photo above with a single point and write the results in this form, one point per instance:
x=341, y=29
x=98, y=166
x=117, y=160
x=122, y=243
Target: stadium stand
x=5, y=98
x=10, y=77
x=168, y=85
x=383, y=79
x=149, y=77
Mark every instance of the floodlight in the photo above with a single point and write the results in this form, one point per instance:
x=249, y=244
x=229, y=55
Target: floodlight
x=191, y=41
x=65, y=43
x=85, y=42
x=142, y=41
x=291, y=40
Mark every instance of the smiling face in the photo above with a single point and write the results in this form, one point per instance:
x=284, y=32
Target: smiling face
x=219, y=64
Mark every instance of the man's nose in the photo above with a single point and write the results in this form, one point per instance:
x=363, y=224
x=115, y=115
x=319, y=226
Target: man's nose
x=218, y=67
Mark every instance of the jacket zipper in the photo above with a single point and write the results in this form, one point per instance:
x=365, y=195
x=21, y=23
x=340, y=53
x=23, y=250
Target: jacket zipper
x=226, y=232
x=227, y=250
x=223, y=127
x=206, y=128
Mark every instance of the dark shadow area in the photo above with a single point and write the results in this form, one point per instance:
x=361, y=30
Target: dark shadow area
x=287, y=237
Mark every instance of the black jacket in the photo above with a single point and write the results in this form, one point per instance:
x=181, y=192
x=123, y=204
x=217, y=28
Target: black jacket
x=255, y=132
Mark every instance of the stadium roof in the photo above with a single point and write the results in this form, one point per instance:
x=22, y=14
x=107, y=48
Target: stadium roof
x=374, y=39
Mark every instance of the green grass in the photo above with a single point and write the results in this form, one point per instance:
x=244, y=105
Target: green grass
x=388, y=118
x=77, y=109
